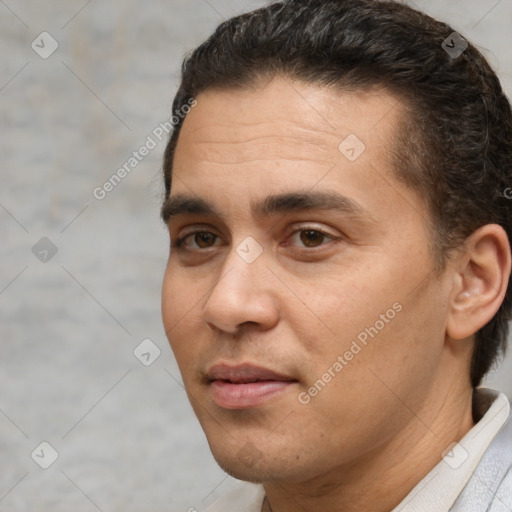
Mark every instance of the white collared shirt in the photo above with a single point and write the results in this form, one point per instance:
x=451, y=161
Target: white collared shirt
x=438, y=490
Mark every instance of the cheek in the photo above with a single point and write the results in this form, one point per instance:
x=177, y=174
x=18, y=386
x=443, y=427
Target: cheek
x=179, y=305
x=371, y=319
x=341, y=305
x=170, y=304
x=178, y=320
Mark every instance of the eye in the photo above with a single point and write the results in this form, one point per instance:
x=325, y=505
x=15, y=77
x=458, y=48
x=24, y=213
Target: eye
x=202, y=239
x=311, y=237
x=308, y=237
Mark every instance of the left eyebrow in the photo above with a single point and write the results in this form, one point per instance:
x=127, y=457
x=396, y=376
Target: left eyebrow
x=183, y=204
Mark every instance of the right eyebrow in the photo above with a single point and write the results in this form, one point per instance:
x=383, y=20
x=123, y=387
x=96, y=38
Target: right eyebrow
x=182, y=204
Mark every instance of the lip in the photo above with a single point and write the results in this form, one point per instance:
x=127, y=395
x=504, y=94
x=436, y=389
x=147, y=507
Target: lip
x=246, y=385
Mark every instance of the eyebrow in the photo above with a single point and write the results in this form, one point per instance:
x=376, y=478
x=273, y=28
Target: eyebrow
x=184, y=204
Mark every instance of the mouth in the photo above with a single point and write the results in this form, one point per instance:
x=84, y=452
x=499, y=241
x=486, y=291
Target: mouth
x=245, y=386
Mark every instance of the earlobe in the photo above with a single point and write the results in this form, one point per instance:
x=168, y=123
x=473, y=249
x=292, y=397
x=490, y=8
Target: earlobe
x=480, y=281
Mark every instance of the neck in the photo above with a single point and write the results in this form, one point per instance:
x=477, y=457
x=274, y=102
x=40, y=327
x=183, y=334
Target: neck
x=381, y=479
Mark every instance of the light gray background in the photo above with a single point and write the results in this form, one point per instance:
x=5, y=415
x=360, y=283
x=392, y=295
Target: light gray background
x=125, y=434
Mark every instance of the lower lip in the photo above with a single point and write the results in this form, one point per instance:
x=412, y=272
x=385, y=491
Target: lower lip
x=230, y=395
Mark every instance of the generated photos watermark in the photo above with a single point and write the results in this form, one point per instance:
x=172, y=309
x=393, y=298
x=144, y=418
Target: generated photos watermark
x=356, y=347
x=158, y=135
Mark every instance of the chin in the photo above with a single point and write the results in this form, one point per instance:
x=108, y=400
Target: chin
x=252, y=465
x=242, y=473
x=246, y=462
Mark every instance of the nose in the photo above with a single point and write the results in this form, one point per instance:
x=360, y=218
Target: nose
x=244, y=293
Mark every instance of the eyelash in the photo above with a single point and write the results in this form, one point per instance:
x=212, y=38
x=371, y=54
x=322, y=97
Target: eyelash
x=178, y=244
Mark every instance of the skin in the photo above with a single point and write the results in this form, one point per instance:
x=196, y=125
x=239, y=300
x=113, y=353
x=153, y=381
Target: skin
x=382, y=423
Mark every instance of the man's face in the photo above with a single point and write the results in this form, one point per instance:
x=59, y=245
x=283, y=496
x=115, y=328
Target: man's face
x=263, y=302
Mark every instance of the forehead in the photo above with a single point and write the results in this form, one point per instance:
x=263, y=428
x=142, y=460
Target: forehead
x=287, y=135
x=310, y=112
x=312, y=119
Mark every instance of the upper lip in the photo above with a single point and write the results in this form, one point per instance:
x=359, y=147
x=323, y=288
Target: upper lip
x=244, y=373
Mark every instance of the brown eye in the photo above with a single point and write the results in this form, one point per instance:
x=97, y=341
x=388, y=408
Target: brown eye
x=204, y=239
x=311, y=237
x=195, y=241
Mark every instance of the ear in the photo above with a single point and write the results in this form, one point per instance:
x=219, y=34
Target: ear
x=480, y=281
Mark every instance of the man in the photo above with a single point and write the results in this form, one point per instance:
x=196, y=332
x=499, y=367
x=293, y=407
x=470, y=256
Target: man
x=337, y=284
